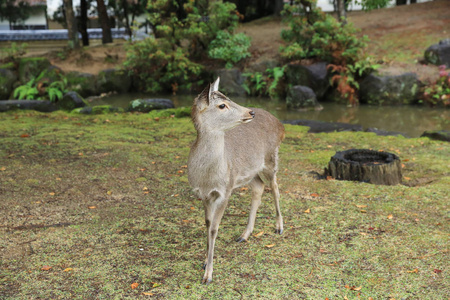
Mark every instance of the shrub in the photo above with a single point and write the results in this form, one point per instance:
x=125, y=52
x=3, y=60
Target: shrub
x=269, y=83
x=438, y=93
x=230, y=48
x=42, y=88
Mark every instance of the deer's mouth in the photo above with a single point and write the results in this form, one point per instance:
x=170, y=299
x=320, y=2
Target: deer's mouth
x=246, y=120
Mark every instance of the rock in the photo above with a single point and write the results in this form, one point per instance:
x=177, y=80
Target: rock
x=70, y=101
x=313, y=76
x=51, y=74
x=231, y=81
x=39, y=105
x=385, y=132
x=7, y=79
x=389, y=90
x=31, y=67
x=302, y=97
x=439, y=54
x=319, y=126
x=146, y=105
x=113, y=80
x=82, y=83
x=263, y=66
x=440, y=135
x=97, y=110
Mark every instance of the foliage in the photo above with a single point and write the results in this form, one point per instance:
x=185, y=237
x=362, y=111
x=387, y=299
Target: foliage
x=372, y=4
x=438, y=93
x=13, y=52
x=230, y=48
x=14, y=11
x=268, y=83
x=41, y=88
x=160, y=67
x=313, y=34
x=183, y=32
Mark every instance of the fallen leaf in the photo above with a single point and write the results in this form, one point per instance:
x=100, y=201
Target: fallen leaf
x=330, y=178
x=307, y=211
x=80, y=154
x=314, y=195
x=68, y=269
x=51, y=194
x=356, y=288
x=363, y=211
x=180, y=171
x=390, y=217
x=134, y=285
x=145, y=188
x=437, y=271
x=259, y=234
x=406, y=178
x=156, y=119
x=413, y=271
x=147, y=294
x=25, y=135
x=2, y=169
x=155, y=284
x=361, y=206
x=109, y=193
x=92, y=207
x=244, y=189
x=270, y=246
x=46, y=268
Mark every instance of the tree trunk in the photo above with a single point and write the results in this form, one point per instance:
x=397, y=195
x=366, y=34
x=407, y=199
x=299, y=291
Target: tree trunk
x=365, y=165
x=342, y=14
x=279, y=5
x=74, y=42
x=83, y=22
x=104, y=21
x=127, y=19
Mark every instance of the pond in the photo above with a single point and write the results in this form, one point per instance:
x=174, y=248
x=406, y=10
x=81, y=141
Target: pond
x=411, y=120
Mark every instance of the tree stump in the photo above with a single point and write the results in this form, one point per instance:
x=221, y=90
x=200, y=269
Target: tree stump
x=365, y=165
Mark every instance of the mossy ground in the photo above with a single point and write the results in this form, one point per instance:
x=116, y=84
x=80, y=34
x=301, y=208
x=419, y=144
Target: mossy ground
x=93, y=204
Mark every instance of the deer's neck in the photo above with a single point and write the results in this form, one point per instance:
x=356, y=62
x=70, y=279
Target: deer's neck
x=208, y=166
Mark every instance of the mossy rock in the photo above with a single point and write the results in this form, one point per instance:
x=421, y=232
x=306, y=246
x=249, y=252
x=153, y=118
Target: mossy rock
x=440, y=135
x=7, y=80
x=179, y=112
x=97, y=110
x=82, y=83
x=147, y=105
x=31, y=67
x=113, y=80
x=70, y=101
x=9, y=66
x=51, y=74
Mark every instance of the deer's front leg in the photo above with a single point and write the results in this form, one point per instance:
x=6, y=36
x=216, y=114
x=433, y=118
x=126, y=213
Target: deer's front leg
x=214, y=208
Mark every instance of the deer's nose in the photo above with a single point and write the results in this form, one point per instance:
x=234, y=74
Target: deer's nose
x=252, y=113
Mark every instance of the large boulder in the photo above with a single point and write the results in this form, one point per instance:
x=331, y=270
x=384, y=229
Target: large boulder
x=146, y=105
x=231, y=81
x=82, y=83
x=389, y=90
x=31, y=67
x=302, y=97
x=113, y=80
x=439, y=54
x=7, y=79
x=39, y=105
x=70, y=101
x=314, y=76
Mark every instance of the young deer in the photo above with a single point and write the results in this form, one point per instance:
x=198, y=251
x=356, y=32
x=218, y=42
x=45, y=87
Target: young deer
x=235, y=146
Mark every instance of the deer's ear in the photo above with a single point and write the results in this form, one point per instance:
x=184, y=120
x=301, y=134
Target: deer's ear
x=202, y=100
x=214, y=87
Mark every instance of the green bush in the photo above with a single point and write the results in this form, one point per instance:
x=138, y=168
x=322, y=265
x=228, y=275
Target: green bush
x=270, y=83
x=230, y=48
x=43, y=88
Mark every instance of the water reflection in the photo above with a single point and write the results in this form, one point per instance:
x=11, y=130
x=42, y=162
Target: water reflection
x=411, y=120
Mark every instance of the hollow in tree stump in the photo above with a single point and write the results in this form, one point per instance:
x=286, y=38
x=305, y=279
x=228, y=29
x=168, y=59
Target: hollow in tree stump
x=365, y=165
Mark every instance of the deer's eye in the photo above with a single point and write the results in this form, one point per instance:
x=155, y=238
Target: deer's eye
x=222, y=106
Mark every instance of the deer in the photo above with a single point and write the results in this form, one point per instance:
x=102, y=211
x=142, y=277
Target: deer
x=235, y=146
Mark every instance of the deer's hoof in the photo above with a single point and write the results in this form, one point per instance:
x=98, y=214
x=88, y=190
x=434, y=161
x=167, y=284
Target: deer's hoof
x=279, y=231
x=240, y=240
x=206, y=281
x=204, y=266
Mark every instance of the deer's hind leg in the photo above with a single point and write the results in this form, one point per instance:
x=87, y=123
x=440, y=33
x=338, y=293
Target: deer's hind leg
x=257, y=187
x=270, y=173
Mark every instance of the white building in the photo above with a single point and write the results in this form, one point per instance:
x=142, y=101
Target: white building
x=37, y=19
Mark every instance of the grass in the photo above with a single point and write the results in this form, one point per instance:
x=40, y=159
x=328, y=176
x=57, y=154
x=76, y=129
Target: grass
x=91, y=205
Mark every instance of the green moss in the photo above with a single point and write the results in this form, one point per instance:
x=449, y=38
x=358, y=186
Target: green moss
x=176, y=112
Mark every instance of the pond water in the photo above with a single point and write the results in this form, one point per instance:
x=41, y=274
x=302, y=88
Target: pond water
x=411, y=120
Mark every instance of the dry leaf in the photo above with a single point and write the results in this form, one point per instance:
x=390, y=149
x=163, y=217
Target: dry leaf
x=68, y=269
x=356, y=288
x=314, y=195
x=390, y=217
x=307, y=211
x=413, y=271
x=259, y=234
x=147, y=294
x=145, y=188
x=92, y=207
x=363, y=211
x=155, y=284
x=25, y=135
x=134, y=285
x=2, y=169
x=51, y=194
x=109, y=193
x=46, y=268
x=361, y=206
x=270, y=246
x=437, y=271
